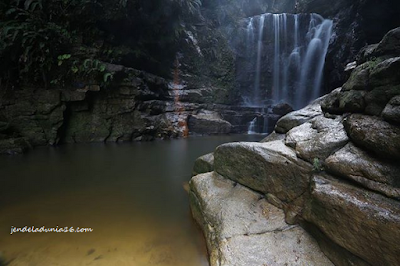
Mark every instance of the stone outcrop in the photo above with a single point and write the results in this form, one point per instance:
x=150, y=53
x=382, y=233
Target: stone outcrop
x=365, y=223
x=243, y=229
x=204, y=164
x=208, y=122
x=331, y=167
x=270, y=167
x=137, y=106
x=358, y=165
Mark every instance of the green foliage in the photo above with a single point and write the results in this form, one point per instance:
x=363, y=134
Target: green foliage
x=46, y=41
x=317, y=165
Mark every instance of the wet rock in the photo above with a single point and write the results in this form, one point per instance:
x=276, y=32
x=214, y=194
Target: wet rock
x=357, y=165
x=270, y=167
x=391, y=112
x=337, y=254
x=352, y=101
x=203, y=164
x=374, y=134
x=341, y=101
x=330, y=103
x=359, y=78
x=350, y=67
x=208, y=122
x=385, y=73
x=390, y=44
x=299, y=117
x=318, y=138
x=243, y=229
x=367, y=53
x=272, y=137
x=365, y=223
x=282, y=109
x=378, y=98
x=13, y=146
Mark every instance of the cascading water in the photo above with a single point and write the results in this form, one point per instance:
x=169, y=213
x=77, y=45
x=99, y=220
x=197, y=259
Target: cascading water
x=252, y=127
x=285, y=56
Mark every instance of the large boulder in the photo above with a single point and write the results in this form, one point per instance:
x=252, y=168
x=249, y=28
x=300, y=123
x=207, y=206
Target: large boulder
x=359, y=166
x=386, y=72
x=391, y=112
x=208, y=122
x=378, y=98
x=243, y=229
x=204, y=164
x=318, y=138
x=374, y=134
x=299, y=117
x=270, y=167
x=359, y=78
x=390, y=44
x=365, y=223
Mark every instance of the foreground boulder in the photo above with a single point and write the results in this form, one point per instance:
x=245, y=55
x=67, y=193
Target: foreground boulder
x=204, y=164
x=243, y=229
x=365, y=223
x=374, y=134
x=359, y=166
x=270, y=167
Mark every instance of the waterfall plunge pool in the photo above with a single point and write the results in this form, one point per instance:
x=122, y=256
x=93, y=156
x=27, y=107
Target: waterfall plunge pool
x=130, y=194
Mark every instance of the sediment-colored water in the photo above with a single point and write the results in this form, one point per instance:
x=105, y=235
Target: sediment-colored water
x=130, y=194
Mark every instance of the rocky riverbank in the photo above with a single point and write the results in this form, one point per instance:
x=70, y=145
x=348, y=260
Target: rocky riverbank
x=331, y=167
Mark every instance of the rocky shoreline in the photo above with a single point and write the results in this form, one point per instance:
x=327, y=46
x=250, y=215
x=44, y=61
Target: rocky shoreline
x=331, y=167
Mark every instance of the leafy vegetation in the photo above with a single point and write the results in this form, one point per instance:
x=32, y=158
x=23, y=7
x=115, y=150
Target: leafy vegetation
x=57, y=42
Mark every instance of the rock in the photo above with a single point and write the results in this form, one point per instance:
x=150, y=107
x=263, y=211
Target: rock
x=208, y=122
x=73, y=95
x=299, y=117
x=204, y=164
x=367, y=53
x=390, y=44
x=385, y=73
x=374, y=134
x=243, y=229
x=365, y=223
x=350, y=67
x=378, y=98
x=340, y=102
x=270, y=167
x=352, y=101
x=282, y=109
x=359, y=78
x=391, y=112
x=318, y=138
x=273, y=136
x=337, y=254
x=13, y=146
x=330, y=103
x=357, y=165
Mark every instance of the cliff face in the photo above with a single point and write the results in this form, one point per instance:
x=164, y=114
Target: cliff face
x=331, y=166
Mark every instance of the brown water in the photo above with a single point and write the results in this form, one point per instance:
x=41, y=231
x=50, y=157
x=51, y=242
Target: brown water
x=131, y=195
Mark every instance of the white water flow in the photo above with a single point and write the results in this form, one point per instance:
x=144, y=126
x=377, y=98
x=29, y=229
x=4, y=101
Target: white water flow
x=289, y=58
x=252, y=127
x=256, y=95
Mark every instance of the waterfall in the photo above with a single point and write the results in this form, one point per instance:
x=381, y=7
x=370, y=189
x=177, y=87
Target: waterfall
x=256, y=95
x=285, y=56
x=252, y=127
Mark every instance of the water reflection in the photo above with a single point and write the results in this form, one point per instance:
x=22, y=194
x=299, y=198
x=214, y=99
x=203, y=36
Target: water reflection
x=130, y=194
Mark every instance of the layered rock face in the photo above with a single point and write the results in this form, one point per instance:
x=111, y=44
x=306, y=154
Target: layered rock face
x=332, y=167
x=138, y=106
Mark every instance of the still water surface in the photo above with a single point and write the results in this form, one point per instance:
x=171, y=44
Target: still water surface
x=130, y=194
